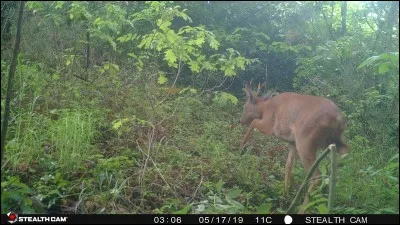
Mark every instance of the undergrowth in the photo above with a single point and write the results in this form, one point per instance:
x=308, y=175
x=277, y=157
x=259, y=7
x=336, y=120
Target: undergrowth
x=71, y=150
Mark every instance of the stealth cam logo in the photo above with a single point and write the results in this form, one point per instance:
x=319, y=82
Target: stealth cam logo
x=12, y=217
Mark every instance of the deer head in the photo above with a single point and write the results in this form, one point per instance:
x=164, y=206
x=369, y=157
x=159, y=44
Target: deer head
x=251, y=110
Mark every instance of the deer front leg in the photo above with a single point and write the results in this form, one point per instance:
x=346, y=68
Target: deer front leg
x=261, y=125
x=246, y=137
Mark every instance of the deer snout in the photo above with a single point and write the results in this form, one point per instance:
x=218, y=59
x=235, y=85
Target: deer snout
x=244, y=121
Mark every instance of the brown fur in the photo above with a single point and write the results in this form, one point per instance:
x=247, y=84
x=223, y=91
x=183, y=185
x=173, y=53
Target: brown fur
x=306, y=122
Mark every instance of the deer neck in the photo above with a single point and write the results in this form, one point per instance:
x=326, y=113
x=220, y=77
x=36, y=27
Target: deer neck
x=261, y=107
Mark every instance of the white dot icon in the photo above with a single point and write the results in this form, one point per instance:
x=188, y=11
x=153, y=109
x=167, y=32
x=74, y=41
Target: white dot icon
x=288, y=219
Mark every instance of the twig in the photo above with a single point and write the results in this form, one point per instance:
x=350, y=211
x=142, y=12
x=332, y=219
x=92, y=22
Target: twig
x=332, y=181
x=167, y=118
x=230, y=84
x=366, y=20
x=80, y=197
x=176, y=78
x=158, y=170
x=198, y=187
x=216, y=86
x=141, y=178
x=329, y=25
x=205, y=84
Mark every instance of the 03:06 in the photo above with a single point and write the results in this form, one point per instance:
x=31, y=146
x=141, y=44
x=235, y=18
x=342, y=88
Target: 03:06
x=160, y=219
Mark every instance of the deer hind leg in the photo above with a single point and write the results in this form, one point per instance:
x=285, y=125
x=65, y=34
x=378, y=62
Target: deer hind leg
x=289, y=166
x=307, y=156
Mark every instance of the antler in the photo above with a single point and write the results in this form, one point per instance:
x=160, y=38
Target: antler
x=249, y=89
x=259, y=87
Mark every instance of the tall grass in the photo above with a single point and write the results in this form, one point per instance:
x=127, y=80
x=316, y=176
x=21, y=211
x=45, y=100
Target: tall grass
x=71, y=138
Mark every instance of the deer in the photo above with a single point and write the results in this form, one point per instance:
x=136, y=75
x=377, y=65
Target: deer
x=305, y=122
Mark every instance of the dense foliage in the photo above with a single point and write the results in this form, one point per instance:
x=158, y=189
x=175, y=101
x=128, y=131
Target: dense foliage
x=133, y=107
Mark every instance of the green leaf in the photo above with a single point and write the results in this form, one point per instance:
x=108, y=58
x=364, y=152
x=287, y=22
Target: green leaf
x=199, y=41
x=125, y=38
x=115, y=66
x=159, y=22
x=346, y=52
x=34, y=5
x=56, y=76
x=98, y=21
x=170, y=56
x=264, y=208
x=113, y=44
x=259, y=34
x=15, y=196
x=59, y=4
x=396, y=156
x=384, y=67
x=219, y=185
x=208, y=66
x=194, y=66
x=146, y=42
x=119, y=123
x=322, y=209
x=240, y=62
x=214, y=44
x=234, y=203
x=132, y=55
x=68, y=62
x=164, y=26
x=242, y=30
x=51, y=202
x=162, y=79
x=224, y=97
x=388, y=211
x=171, y=36
x=189, y=49
x=76, y=92
x=27, y=209
x=185, y=210
x=234, y=193
x=221, y=206
x=229, y=71
x=183, y=90
x=368, y=61
x=315, y=202
x=200, y=208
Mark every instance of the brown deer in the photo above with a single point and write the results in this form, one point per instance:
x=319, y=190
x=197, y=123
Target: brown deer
x=307, y=123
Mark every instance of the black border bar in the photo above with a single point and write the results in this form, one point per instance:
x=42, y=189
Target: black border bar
x=203, y=219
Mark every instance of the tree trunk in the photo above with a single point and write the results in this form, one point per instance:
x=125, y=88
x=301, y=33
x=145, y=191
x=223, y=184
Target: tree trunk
x=344, y=17
x=11, y=73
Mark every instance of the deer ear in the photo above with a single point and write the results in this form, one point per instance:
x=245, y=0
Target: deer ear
x=270, y=95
